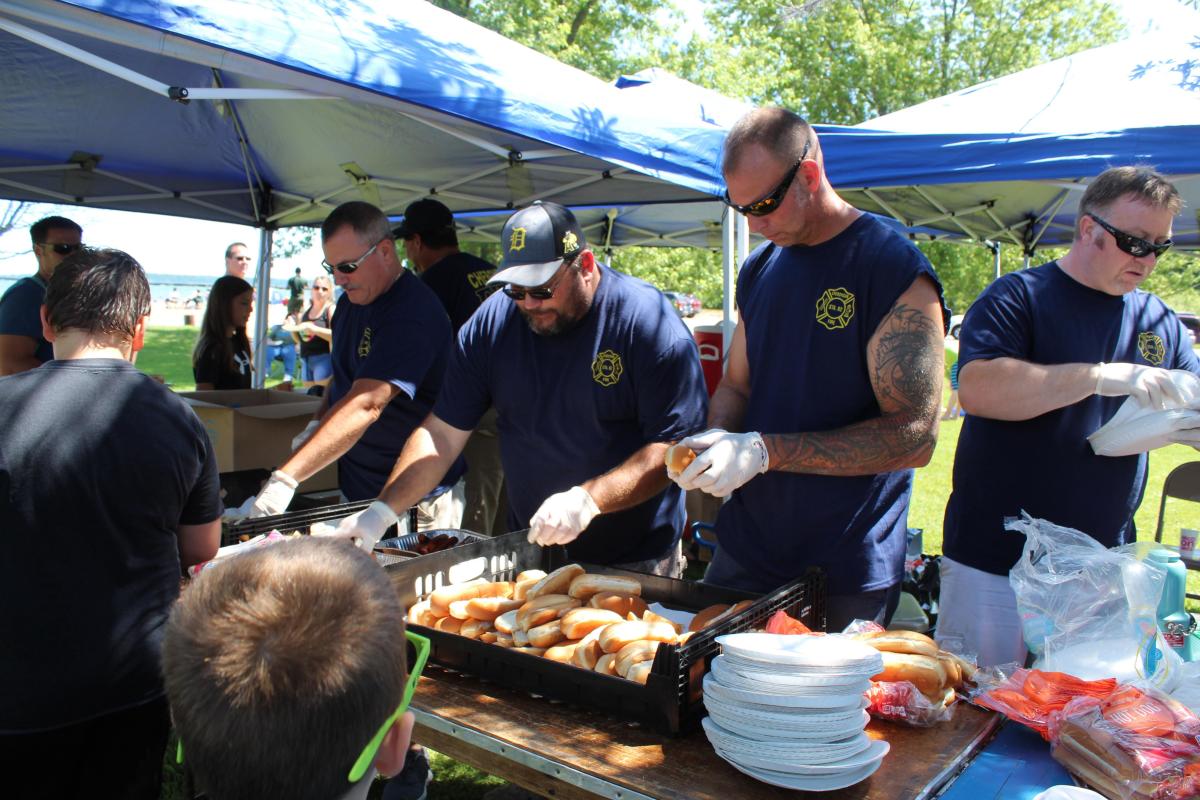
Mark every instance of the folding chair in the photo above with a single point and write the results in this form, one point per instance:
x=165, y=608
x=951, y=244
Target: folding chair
x=1183, y=483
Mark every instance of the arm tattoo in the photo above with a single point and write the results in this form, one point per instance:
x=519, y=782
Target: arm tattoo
x=906, y=373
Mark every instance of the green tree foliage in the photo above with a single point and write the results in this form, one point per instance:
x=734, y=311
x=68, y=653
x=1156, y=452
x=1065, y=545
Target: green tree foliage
x=847, y=61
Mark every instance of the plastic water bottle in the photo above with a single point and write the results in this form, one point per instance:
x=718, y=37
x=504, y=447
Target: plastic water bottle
x=1173, y=620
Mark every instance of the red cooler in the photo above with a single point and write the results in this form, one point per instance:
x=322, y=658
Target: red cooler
x=712, y=354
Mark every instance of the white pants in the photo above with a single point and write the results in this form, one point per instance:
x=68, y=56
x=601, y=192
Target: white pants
x=444, y=512
x=978, y=615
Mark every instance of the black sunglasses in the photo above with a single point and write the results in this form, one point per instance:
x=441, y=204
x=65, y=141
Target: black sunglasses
x=767, y=204
x=62, y=249
x=1128, y=243
x=543, y=292
x=347, y=267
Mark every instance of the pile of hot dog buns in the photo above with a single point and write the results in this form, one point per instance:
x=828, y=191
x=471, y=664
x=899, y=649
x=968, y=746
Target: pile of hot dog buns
x=595, y=622
x=914, y=657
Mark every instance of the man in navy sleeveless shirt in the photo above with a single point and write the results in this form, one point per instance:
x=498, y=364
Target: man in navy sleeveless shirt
x=1048, y=356
x=391, y=340
x=834, y=374
x=593, y=375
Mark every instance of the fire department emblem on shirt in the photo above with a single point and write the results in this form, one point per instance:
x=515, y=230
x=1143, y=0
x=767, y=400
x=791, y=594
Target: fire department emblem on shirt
x=1150, y=345
x=517, y=240
x=835, y=308
x=607, y=368
x=364, y=344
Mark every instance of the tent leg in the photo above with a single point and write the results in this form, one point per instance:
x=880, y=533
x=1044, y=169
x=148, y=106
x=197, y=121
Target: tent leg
x=728, y=287
x=262, y=283
x=995, y=246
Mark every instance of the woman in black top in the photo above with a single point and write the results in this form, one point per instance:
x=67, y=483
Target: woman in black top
x=222, y=358
x=315, y=331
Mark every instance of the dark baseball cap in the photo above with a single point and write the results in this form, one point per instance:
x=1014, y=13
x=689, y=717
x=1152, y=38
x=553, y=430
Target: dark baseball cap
x=422, y=217
x=536, y=241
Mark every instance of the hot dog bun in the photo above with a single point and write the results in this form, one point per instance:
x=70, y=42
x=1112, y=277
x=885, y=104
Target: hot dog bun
x=900, y=642
x=506, y=622
x=585, y=586
x=633, y=653
x=563, y=651
x=489, y=608
x=620, y=634
x=924, y=672
x=541, y=610
x=640, y=672
x=621, y=603
x=440, y=599
x=546, y=635
x=706, y=615
x=588, y=652
x=678, y=457
x=579, y=622
x=607, y=664
x=556, y=582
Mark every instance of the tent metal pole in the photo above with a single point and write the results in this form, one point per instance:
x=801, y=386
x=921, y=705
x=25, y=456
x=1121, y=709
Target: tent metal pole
x=995, y=246
x=729, y=251
x=262, y=282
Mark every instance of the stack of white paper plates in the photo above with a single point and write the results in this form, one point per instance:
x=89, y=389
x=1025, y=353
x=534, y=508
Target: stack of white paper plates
x=789, y=710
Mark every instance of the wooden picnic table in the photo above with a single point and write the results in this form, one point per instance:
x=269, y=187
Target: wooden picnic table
x=561, y=751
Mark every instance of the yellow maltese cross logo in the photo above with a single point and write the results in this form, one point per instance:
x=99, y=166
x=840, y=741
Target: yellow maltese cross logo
x=607, y=368
x=570, y=242
x=1150, y=345
x=835, y=308
x=364, y=344
x=517, y=240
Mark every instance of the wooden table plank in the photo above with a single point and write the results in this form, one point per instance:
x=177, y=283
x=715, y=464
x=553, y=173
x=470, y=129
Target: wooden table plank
x=622, y=756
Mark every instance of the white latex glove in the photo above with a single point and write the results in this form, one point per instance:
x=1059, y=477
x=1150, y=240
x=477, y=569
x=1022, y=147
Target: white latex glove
x=367, y=526
x=304, y=435
x=724, y=461
x=562, y=517
x=1152, y=387
x=275, y=496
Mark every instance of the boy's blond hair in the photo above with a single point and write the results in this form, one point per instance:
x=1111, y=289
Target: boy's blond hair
x=280, y=666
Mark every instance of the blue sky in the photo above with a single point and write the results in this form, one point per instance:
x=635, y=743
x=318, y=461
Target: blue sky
x=192, y=247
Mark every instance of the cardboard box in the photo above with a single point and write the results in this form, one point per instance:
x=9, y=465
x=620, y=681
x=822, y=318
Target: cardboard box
x=254, y=428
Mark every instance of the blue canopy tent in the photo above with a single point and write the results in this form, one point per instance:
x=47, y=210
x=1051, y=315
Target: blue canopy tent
x=1008, y=159
x=271, y=114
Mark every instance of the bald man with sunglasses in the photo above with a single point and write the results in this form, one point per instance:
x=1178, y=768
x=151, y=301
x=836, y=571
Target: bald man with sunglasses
x=832, y=390
x=22, y=345
x=1048, y=355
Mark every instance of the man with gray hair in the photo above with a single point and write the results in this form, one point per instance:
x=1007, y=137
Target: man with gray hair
x=1048, y=356
x=832, y=390
x=391, y=340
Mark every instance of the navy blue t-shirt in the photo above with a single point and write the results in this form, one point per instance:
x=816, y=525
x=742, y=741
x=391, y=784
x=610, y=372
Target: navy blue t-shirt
x=1045, y=465
x=402, y=338
x=808, y=314
x=460, y=282
x=573, y=406
x=20, y=314
x=99, y=466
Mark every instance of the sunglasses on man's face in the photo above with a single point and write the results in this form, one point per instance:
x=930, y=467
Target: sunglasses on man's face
x=772, y=201
x=347, y=267
x=1133, y=245
x=61, y=248
x=543, y=292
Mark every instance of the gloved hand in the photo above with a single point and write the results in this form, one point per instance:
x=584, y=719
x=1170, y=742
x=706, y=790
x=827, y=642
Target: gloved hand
x=724, y=461
x=304, y=435
x=1149, y=386
x=367, y=526
x=562, y=517
x=275, y=496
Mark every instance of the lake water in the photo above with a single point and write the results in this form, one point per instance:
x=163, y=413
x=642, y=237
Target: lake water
x=161, y=286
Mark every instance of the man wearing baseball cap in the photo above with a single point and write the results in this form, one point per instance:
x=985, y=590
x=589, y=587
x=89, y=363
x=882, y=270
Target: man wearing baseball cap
x=593, y=376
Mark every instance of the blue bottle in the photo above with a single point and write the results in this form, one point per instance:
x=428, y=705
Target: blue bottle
x=1173, y=619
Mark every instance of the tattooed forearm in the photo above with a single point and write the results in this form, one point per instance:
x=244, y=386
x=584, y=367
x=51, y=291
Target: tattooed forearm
x=905, y=361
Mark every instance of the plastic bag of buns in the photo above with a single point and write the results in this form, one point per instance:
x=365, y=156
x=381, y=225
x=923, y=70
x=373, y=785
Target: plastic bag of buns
x=1136, y=743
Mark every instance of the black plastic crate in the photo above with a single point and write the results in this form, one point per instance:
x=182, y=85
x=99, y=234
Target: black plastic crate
x=671, y=702
x=240, y=485
x=288, y=521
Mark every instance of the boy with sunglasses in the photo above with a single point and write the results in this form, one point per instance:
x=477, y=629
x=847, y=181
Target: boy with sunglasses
x=1048, y=355
x=22, y=346
x=289, y=674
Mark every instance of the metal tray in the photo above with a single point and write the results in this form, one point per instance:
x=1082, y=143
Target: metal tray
x=671, y=702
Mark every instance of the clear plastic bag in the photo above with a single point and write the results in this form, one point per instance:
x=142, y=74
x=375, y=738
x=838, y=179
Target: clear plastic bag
x=1089, y=611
